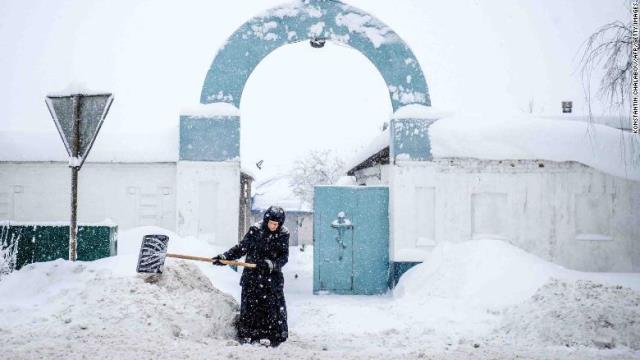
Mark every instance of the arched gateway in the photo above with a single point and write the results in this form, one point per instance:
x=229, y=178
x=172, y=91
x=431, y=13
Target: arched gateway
x=351, y=242
x=316, y=21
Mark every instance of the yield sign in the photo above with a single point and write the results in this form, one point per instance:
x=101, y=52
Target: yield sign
x=87, y=112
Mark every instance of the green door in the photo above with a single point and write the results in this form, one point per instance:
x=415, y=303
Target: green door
x=351, y=240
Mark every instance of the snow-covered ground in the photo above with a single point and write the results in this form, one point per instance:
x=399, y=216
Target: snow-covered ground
x=481, y=299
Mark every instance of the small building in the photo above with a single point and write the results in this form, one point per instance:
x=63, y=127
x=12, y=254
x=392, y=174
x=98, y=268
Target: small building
x=168, y=178
x=535, y=182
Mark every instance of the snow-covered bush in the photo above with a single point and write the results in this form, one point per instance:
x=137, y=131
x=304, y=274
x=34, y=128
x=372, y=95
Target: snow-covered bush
x=8, y=251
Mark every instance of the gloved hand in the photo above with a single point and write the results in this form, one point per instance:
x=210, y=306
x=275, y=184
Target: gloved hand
x=263, y=266
x=216, y=260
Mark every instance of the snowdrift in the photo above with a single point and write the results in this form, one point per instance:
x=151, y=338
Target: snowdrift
x=533, y=301
x=46, y=304
x=72, y=298
x=570, y=313
x=486, y=273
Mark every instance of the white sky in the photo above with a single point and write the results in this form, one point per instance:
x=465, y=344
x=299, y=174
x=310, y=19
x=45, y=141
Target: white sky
x=153, y=55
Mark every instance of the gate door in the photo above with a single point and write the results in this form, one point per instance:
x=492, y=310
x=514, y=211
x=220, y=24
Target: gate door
x=351, y=239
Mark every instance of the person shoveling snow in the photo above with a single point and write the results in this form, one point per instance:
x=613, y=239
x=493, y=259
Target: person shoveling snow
x=263, y=312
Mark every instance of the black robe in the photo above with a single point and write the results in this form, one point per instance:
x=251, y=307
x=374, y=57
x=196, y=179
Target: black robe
x=263, y=311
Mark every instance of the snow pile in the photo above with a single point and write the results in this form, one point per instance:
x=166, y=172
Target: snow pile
x=90, y=301
x=105, y=304
x=484, y=273
x=490, y=292
x=570, y=313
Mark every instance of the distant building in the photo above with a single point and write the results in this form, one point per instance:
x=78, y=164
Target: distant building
x=299, y=216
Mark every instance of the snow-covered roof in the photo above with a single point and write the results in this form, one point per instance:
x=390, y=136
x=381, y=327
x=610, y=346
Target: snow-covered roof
x=362, y=157
x=156, y=145
x=277, y=191
x=524, y=136
x=246, y=171
x=377, y=151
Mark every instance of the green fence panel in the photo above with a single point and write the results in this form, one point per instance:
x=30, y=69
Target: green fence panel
x=38, y=243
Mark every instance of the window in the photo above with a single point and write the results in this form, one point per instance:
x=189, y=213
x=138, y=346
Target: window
x=592, y=215
x=489, y=215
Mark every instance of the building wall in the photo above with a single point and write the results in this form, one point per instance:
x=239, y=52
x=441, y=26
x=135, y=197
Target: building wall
x=564, y=212
x=129, y=194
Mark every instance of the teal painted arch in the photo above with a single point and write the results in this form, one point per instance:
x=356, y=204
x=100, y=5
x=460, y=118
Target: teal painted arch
x=315, y=19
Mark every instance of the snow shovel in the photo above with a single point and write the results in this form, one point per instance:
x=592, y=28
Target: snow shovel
x=154, y=250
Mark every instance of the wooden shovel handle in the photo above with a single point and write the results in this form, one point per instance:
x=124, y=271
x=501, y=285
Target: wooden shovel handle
x=200, y=258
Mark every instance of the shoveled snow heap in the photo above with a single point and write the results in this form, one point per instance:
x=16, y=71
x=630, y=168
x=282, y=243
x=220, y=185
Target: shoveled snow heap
x=46, y=305
x=496, y=293
x=483, y=273
x=577, y=313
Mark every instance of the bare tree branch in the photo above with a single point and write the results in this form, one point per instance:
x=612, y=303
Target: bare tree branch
x=610, y=48
x=317, y=167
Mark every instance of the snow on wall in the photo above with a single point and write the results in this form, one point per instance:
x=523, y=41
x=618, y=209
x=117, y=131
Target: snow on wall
x=210, y=110
x=564, y=212
x=208, y=200
x=419, y=111
x=127, y=194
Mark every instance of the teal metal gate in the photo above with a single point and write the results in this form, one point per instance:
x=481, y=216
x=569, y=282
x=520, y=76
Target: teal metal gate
x=351, y=240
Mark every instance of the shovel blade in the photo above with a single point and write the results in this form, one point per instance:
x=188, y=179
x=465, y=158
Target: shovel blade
x=152, y=253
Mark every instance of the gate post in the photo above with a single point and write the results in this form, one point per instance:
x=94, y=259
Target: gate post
x=409, y=133
x=410, y=153
x=208, y=173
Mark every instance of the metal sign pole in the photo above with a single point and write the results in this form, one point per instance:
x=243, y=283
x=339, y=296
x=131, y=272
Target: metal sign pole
x=73, y=228
x=78, y=118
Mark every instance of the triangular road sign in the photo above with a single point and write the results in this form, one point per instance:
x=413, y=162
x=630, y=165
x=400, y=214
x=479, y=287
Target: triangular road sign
x=91, y=110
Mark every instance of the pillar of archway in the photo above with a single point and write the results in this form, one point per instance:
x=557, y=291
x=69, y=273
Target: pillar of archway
x=209, y=168
x=208, y=173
